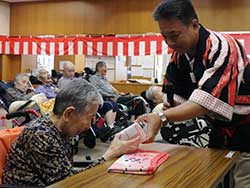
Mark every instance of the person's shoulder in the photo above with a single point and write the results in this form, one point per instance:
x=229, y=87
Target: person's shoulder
x=40, y=87
x=11, y=89
x=61, y=79
x=94, y=77
x=42, y=129
x=39, y=127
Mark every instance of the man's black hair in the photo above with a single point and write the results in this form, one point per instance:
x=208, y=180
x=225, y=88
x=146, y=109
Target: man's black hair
x=181, y=10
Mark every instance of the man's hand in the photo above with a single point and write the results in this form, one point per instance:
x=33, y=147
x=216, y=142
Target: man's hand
x=153, y=122
x=119, y=147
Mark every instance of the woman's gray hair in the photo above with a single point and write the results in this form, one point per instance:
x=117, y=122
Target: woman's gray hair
x=149, y=93
x=19, y=77
x=80, y=94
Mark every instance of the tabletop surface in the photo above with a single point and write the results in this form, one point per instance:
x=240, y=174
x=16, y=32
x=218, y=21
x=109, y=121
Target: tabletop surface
x=186, y=167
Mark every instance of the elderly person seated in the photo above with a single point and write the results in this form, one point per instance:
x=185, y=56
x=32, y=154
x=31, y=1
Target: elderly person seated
x=68, y=74
x=153, y=95
x=42, y=153
x=100, y=81
x=48, y=88
x=22, y=89
x=108, y=110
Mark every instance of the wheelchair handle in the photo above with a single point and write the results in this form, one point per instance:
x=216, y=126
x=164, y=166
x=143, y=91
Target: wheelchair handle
x=22, y=114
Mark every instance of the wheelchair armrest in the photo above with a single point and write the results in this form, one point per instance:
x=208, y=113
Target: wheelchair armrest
x=81, y=164
x=107, y=98
x=18, y=186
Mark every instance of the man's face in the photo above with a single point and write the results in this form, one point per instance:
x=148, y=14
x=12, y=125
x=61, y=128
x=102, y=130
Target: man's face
x=69, y=72
x=45, y=76
x=103, y=70
x=180, y=37
x=22, y=84
x=80, y=122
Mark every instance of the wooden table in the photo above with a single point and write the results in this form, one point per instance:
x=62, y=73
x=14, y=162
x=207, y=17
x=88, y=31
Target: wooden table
x=135, y=88
x=186, y=167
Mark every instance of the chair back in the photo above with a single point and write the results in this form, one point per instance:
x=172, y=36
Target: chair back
x=7, y=137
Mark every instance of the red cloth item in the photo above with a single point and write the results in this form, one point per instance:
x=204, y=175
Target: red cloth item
x=7, y=137
x=143, y=162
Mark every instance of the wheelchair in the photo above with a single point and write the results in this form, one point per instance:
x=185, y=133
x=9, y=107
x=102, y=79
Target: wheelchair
x=193, y=132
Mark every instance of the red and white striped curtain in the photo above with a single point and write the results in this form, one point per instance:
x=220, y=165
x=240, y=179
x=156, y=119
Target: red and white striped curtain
x=106, y=45
x=84, y=45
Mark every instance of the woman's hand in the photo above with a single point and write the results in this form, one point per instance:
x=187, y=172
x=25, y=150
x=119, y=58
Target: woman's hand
x=153, y=123
x=119, y=147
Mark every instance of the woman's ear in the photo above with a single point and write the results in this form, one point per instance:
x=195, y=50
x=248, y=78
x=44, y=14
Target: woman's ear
x=67, y=113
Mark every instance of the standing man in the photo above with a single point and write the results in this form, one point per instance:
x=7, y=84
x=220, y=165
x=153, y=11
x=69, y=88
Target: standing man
x=210, y=74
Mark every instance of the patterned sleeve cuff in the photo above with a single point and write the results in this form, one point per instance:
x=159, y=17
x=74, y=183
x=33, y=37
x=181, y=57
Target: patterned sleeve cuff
x=213, y=104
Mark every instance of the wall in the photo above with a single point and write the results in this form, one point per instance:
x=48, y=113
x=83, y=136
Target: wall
x=87, y=16
x=63, y=58
x=113, y=16
x=79, y=63
x=4, y=18
x=4, y=30
x=10, y=66
x=28, y=63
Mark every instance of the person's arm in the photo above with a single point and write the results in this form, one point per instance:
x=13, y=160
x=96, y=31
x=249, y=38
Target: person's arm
x=117, y=148
x=185, y=111
x=12, y=94
x=59, y=84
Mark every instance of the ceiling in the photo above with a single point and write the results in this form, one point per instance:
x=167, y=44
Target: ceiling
x=18, y=1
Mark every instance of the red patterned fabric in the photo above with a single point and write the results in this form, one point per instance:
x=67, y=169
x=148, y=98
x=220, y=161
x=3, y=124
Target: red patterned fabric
x=105, y=45
x=141, y=162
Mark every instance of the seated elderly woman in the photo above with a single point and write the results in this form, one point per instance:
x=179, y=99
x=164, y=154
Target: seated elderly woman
x=42, y=153
x=48, y=88
x=22, y=89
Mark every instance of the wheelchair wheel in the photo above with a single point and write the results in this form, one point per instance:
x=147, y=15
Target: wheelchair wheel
x=89, y=140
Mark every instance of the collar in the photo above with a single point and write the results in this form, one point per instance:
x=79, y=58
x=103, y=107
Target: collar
x=68, y=78
x=48, y=85
x=201, y=45
x=103, y=77
x=19, y=90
